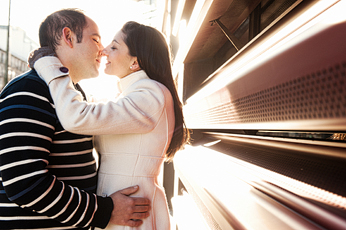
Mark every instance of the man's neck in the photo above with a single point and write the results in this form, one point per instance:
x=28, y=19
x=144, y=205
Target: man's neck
x=66, y=61
x=74, y=79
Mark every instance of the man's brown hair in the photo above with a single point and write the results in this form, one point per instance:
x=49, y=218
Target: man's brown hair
x=50, y=31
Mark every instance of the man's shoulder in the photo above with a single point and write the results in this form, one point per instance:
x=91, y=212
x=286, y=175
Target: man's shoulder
x=29, y=81
x=30, y=75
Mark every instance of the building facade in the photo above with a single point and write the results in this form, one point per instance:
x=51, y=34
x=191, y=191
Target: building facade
x=20, y=47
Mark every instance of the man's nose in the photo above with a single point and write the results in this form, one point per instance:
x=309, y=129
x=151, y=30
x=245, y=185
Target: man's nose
x=101, y=50
x=101, y=47
x=104, y=52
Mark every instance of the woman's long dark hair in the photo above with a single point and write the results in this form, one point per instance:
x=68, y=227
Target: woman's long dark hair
x=154, y=57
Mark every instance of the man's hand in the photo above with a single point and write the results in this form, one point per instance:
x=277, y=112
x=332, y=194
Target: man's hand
x=127, y=210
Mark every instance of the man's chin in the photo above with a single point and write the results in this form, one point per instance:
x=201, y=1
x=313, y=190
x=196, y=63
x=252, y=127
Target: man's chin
x=94, y=74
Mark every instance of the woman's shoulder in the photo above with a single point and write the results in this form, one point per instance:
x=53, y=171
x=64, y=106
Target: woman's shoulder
x=140, y=82
x=152, y=85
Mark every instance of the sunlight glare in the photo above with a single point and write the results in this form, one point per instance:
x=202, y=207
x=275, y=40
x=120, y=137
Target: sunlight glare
x=102, y=88
x=109, y=15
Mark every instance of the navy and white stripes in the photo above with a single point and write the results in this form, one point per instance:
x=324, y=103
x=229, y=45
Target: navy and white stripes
x=48, y=175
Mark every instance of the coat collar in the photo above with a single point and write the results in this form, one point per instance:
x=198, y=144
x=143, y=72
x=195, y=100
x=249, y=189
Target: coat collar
x=127, y=81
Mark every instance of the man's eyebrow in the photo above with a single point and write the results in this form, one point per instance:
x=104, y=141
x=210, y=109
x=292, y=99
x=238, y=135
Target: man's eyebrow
x=96, y=34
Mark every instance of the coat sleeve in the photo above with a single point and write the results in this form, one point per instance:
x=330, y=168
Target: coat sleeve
x=136, y=112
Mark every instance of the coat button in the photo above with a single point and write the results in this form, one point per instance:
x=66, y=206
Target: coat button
x=64, y=69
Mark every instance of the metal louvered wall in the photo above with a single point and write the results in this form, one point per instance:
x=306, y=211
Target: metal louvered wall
x=269, y=123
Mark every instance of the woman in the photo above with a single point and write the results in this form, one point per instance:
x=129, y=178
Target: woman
x=141, y=128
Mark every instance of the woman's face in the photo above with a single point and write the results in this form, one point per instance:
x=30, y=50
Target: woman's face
x=119, y=61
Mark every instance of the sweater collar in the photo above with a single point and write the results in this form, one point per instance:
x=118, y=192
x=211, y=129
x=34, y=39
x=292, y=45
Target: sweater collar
x=127, y=81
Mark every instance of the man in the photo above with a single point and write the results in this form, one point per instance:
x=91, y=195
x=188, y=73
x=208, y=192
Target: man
x=48, y=175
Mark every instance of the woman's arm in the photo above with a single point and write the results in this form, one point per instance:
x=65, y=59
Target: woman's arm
x=138, y=112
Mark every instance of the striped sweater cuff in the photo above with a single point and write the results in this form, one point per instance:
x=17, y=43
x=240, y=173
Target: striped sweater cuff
x=103, y=213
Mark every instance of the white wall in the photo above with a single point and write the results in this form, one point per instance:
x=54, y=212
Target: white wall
x=20, y=44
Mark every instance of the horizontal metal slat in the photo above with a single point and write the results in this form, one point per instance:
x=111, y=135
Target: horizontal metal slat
x=222, y=184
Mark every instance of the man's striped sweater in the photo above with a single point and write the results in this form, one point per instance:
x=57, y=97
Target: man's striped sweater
x=48, y=175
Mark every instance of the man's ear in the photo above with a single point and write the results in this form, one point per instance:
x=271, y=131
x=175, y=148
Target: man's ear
x=67, y=36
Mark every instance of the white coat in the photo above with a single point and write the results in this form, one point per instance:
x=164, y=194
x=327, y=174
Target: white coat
x=132, y=132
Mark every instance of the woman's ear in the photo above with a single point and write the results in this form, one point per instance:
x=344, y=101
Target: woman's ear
x=135, y=66
x=67, y=36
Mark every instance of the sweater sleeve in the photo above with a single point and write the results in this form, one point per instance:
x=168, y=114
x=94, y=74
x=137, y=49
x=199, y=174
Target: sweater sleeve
x=137, y=112
x=28, y=122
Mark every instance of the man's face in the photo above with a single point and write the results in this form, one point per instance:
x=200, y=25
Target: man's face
x=87, y=54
